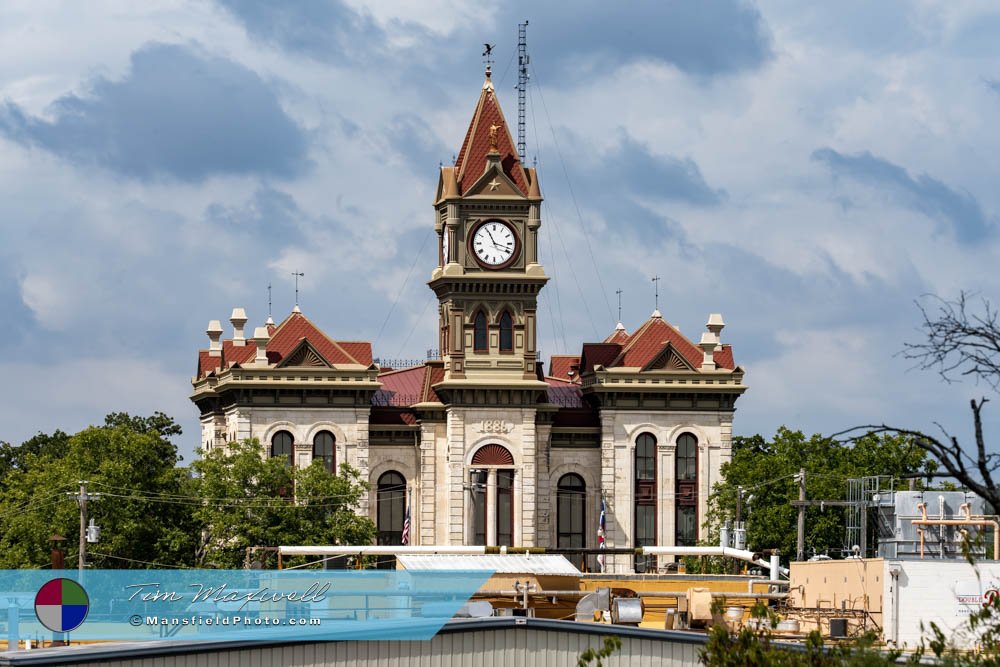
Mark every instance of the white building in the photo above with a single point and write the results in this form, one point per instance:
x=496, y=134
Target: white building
x=489, y=448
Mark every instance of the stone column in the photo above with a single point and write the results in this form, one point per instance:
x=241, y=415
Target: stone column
x=526, y=507
x=426, y=482
x=544, y=516
x=454, y=494
x=361, y=454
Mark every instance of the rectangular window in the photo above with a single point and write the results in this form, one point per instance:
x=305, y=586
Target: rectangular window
x=505, y=508
x=478, y=484
x=687, y=526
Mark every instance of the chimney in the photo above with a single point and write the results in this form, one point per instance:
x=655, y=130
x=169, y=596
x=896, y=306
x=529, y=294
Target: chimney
x=715, y=325
x=214, y=332
x=238, y=319
x=260, y=338
x=707, y=345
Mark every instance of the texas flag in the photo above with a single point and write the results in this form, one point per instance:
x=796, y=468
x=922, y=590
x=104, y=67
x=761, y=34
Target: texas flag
x=601, y=526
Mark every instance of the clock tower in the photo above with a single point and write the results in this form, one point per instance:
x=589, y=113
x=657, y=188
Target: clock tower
x=488, y=276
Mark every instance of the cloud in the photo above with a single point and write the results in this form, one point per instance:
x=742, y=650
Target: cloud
x=659, y=176
x=270, y=213
x=178, y=113
x=700, y=38
x=960, y=211
x=412, y=138
x=325, y=30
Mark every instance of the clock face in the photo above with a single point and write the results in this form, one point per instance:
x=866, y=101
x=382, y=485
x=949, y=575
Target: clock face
x=494, y=244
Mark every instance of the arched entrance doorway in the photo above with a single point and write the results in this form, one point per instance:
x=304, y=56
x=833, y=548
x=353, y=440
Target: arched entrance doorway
x=491, y=481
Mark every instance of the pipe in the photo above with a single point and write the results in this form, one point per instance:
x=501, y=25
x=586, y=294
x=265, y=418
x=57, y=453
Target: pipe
x=894, y=570
x=961, y=522
x=712, y=551
x=389, y=550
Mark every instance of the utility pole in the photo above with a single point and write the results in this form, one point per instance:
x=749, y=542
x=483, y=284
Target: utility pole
x=82, y=502
x=739, y=504
x=800, y=542
x=739, y=522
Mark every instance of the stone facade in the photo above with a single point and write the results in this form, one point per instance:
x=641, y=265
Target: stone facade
x=483, y=435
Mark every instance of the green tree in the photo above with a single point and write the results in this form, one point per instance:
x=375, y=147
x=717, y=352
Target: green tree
x=250, y=500
x=131, y=462
x=767, y=471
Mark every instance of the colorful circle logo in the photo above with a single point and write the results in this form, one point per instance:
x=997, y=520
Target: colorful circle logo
x=61, y=605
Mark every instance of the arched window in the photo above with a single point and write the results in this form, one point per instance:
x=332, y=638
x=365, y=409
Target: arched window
x=281, y=445
x=686, y=476
x=323, y=451
x=390, y=508
x=506, y=332
x=645, y=499
x=571, y=515
x=479, y=338
x=390, y=514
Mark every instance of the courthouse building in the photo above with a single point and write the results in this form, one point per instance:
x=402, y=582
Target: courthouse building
x=484, y=443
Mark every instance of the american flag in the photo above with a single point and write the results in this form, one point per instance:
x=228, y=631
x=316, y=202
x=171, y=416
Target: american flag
x=406, y=524
x=601, y=526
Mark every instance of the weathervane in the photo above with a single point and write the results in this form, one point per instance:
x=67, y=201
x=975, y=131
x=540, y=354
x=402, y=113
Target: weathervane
x=488, y=57
x=297, y=276
x=656, y=288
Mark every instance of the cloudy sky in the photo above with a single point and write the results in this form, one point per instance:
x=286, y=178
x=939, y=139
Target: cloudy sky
x=809, y=170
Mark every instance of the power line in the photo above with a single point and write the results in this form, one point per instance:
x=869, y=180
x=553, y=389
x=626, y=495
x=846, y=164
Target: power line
x=572, y=195
x=402, y=289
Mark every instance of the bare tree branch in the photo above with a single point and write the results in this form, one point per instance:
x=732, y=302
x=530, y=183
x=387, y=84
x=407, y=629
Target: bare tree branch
x=958, y=342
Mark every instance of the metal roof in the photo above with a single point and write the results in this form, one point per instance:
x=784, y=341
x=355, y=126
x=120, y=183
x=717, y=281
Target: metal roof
x=501, y=564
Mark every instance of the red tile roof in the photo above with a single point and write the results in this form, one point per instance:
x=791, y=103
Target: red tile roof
x=285, y=338
x=402, y=387
x=564, y=394
x=297, y=326
x=619, y=336
x=561, y=364
x=598, y=354
x=724, y=357
x=471, y=162
x=408, y=386
x=650, y=339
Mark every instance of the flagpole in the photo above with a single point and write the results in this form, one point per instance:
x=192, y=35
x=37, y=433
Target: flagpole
x=601, y=530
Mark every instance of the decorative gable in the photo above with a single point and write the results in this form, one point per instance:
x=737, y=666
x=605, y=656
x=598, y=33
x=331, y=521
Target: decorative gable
x=669, y=359
x=304, y=356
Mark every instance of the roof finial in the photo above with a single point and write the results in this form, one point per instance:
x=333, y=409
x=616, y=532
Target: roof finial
x=297, y=275
x=619, y=293
x=656, y=292
x=269, y=321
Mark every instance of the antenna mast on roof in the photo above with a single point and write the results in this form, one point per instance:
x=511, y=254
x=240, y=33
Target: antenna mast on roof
x=522, y=84
x=619, y=293
x=656, y=287
x=269, y=300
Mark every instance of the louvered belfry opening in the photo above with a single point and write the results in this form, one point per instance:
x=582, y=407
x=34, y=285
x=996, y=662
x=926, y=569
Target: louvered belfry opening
x=492, y=496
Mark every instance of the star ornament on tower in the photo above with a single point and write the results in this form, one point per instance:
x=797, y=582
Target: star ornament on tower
x=494, y=185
